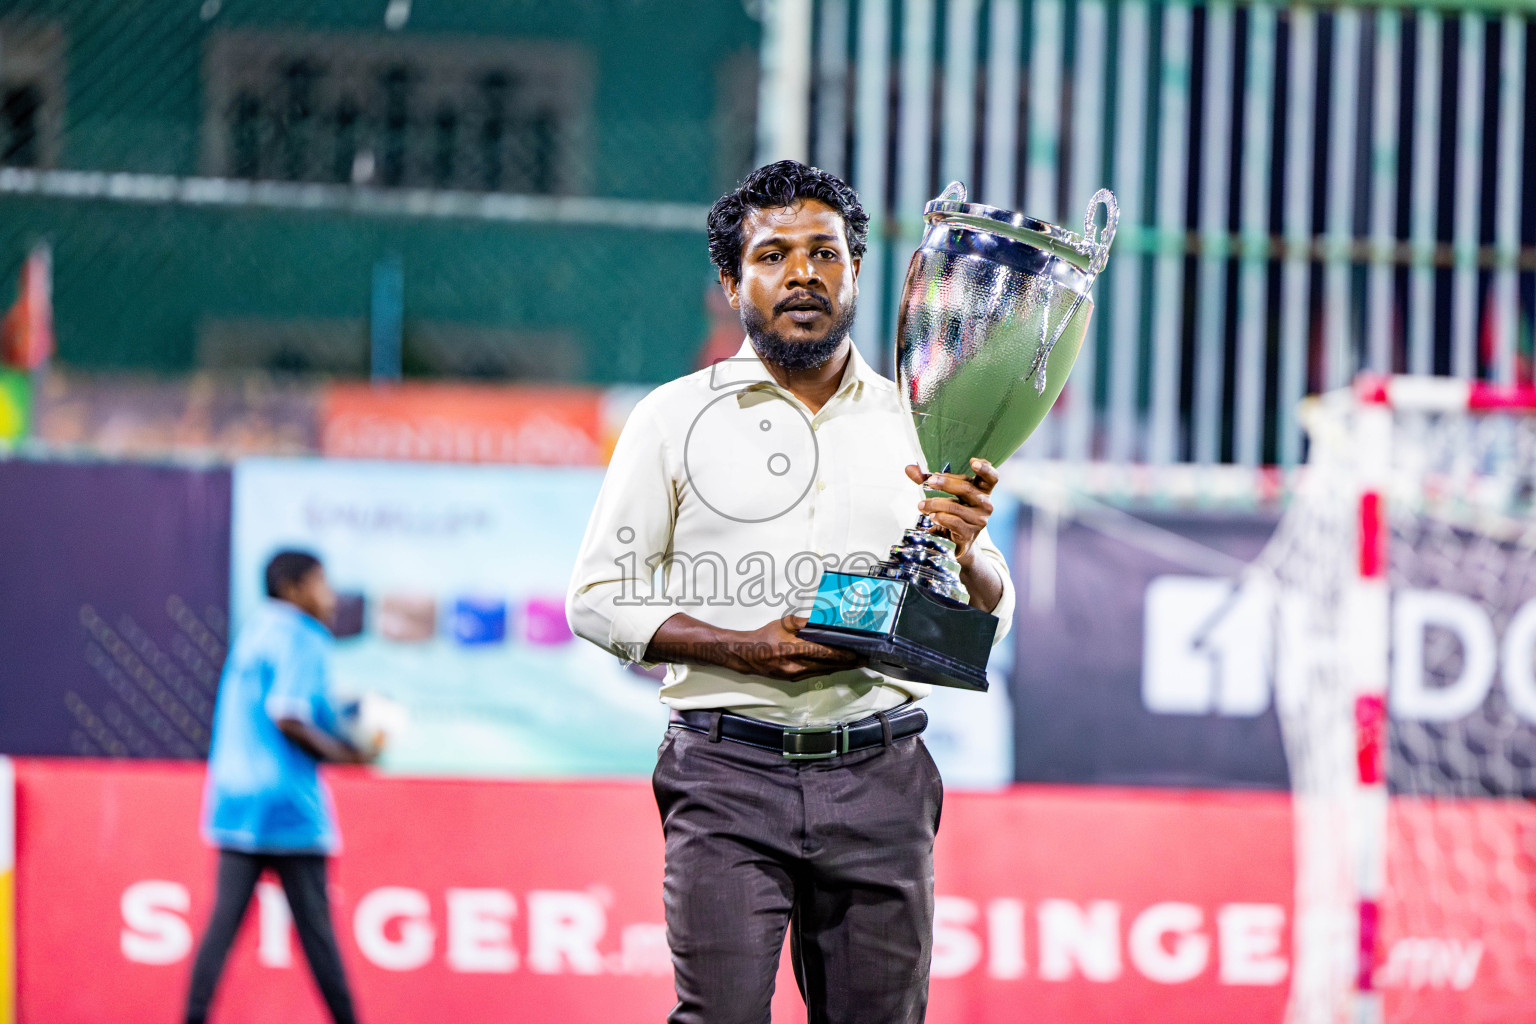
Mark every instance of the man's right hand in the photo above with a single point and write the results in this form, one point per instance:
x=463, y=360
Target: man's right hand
x=774, y=650
x=358, y=755
x=321, y=745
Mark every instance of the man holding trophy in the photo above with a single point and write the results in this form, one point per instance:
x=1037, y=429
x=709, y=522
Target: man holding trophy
x=750, y=506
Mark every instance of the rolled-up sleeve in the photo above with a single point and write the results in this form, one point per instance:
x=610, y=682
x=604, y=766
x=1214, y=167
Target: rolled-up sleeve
x=609, y=600
x=300, y=683
x=1004, y=610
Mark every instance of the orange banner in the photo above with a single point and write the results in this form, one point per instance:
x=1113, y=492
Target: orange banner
x=545, y=425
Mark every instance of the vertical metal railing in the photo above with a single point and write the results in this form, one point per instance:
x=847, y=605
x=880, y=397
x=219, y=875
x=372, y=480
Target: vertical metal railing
x=1384, y=172
x=1296, y=272
x=1254, y=180
x=871, y=124
x=1122, y=298
x=1469, y=144
x=1511, y=190
x=1306, y=190
x=1213, y=205
x=1078, y=401
x=1174, y=82
x=1002, y=134
x=1423, y=192
x=1343, y=103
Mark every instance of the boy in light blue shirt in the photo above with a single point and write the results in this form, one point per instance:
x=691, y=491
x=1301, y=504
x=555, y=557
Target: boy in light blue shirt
x=264, y=805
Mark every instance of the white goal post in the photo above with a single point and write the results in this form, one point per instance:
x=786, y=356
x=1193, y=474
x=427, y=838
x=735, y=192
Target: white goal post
x=1405, y=565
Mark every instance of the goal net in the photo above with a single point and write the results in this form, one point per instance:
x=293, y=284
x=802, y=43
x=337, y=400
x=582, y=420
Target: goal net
x=1404, y=585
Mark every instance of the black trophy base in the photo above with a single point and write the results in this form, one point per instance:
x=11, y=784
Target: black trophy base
x=905, y=631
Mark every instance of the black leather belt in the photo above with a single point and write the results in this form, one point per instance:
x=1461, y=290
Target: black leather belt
x=807, y=742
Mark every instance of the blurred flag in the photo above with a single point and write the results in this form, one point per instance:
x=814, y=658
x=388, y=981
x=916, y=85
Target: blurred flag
x=15, y=409
x=1491, y=332
x=26, y=334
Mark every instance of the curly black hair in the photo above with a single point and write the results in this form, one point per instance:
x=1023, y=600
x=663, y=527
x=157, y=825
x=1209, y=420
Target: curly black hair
x=775, y=185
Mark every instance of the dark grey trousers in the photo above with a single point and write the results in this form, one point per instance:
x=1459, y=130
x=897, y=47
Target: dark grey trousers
x=840, y=851
x=303, y=878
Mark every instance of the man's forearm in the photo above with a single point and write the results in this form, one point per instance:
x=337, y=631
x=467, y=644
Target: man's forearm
x=773, y=650
x=984, y=582
x=683, y=638
x=319, y=744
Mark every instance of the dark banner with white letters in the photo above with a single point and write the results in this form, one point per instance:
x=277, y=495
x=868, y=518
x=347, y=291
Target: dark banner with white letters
x=1139, y=660
x=1146, y=655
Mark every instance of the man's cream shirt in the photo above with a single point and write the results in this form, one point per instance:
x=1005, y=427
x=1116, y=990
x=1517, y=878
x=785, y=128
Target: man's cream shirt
x=741, y=497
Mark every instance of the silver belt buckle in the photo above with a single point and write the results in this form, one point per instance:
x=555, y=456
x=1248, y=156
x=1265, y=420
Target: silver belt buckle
x=794, y=751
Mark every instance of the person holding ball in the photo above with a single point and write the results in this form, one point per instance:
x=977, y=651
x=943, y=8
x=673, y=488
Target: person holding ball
x=264, y=804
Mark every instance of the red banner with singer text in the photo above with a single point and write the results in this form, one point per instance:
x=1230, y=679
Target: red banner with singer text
x=519, y=901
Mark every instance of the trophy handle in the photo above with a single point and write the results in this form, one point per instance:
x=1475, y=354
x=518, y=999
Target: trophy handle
x=1098, y=239
x=953, y=192
x=1095, y=244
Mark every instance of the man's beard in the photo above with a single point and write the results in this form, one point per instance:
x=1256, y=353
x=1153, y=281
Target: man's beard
x=773, y=347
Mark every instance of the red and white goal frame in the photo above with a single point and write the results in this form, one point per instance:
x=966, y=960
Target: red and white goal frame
x=1413, y=469
x=1444, y=394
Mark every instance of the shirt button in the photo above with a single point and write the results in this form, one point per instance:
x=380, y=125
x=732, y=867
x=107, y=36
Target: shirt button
x=818, y=686
x=821, y=485
x=815, y=426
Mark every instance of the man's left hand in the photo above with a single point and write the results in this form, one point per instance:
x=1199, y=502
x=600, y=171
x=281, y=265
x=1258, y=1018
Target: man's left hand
x=964, y=516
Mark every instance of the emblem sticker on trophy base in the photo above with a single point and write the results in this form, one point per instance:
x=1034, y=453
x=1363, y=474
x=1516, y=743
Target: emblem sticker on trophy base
x=865, y=604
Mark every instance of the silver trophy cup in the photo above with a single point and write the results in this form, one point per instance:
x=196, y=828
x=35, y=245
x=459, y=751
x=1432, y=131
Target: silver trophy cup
x=992, y=317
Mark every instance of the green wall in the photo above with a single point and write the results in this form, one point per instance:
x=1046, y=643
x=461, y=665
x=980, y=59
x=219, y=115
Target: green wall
x=133, y=281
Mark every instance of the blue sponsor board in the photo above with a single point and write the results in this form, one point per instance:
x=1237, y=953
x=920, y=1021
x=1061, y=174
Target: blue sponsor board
x=456, y=610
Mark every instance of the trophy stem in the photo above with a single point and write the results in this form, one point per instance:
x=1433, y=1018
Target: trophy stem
x=927, y=560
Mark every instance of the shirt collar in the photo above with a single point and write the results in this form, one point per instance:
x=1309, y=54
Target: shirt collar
x=747, y=371
x=293, y=613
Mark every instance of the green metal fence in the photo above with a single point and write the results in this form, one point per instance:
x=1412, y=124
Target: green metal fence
x=219, y=179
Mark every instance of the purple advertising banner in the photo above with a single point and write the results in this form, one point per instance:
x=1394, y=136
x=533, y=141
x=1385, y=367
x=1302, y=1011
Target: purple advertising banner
x=114, y=583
